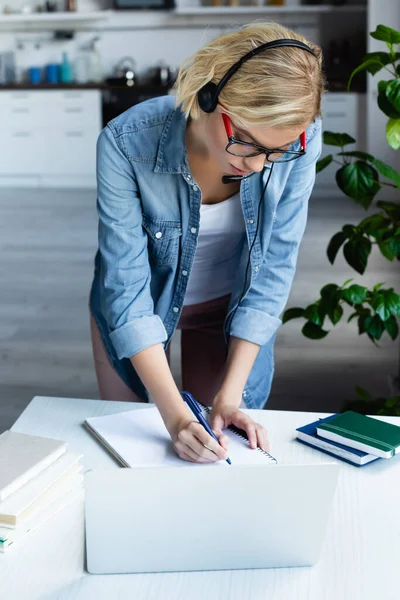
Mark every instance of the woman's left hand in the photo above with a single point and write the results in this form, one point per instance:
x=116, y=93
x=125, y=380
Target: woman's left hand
x=223, y=415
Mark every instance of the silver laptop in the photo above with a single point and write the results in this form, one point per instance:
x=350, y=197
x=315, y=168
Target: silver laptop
x=199, y=518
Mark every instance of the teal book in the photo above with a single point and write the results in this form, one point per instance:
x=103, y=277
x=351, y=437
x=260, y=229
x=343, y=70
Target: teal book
x=362, y=433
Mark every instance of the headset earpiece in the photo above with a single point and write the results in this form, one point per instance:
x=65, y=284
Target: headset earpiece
x=208, y=97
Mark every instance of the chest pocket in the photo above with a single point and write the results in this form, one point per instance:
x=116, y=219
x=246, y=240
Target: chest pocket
x=163, y=240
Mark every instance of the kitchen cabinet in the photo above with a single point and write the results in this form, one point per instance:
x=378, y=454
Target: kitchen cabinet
x=49, y=137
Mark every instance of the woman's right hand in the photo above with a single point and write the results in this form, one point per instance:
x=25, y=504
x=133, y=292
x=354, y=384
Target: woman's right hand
x=189, y=439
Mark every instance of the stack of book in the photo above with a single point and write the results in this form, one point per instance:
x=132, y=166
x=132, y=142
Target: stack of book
x=38, y=478
x=352, y=437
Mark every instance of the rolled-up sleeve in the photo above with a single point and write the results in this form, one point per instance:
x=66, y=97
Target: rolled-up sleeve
x=126, y=300
x=257, y=318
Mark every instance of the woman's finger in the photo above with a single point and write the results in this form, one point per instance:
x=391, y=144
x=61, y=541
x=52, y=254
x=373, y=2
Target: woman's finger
x=262, y=438
x=207, y=446
x=250, y=429
x=196, y=438
x=184, y=450
x=204, y=449
x=224, y=441
x=186, y=457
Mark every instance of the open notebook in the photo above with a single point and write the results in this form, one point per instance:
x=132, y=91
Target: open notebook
x=138, y=438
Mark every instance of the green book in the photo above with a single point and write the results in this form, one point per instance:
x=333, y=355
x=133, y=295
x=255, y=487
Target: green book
x=362, y=433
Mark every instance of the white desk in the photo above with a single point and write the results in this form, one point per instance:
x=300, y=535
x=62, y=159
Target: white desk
x=360, y=558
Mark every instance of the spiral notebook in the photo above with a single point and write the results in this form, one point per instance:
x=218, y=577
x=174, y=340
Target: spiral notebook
x=138, y=438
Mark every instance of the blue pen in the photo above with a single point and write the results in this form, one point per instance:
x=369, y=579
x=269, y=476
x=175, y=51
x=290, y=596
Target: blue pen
x=196, y=410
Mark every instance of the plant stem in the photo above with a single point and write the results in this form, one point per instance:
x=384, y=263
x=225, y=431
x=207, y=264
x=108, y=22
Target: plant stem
x=389, y=71
x=385, y=183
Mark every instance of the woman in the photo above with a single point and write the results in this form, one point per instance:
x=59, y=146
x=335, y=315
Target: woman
x=202, y=206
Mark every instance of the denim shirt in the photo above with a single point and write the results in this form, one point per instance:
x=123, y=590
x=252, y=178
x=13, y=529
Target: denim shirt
x=149, y=216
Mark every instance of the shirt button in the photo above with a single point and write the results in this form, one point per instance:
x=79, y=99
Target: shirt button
x=175, y=309
x=159, y=235
x=251, y=221
x=184, y=273
x=193, y=230
x=256, y=268
x=195, y=188
x=244, y=394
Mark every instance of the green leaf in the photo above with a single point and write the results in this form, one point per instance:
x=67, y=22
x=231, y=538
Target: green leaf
x=374, y=326
x=314, y=314
x=372, y=224
x=384, y=57
x=364, y=313
x=323, y=163
x=356, y=252
x=386, y=34
x=352, y=316
x=336, y=314
x=330, y=298
x=383, y=101
x=392, y=401
x=334, y=245
x=346, y=282
x=370, y=64
x=378, y=286
x=349, y=230
x=359, y=181
x=292, y=313
x=392, y=327
x=357, y=154
x=313, y=331
x=356, y=294
x=337, y=139
x=363, y=394
x=380, y=306
x=392, y=301
x=391, y=208
x=390, y=247
x=387, y=171
x=396, y=245
x=329, y=290
x=393, y=133
x=361, y=324
x=393, y=94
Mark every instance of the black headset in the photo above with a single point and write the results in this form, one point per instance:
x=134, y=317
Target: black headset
x=207, y=96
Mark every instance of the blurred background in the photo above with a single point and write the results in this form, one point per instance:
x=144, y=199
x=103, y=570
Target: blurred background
x=66, y=69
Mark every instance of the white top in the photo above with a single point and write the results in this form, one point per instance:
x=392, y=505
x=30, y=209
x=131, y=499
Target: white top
x=218, y=247
x=361, y=538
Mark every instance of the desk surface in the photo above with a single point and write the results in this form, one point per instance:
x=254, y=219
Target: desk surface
x=360, y=558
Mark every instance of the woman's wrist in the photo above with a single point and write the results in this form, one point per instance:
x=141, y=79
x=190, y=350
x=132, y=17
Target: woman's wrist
x=227, y=398
x=175, y=418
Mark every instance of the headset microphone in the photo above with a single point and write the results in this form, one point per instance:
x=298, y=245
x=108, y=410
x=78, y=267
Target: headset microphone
x=233, y=178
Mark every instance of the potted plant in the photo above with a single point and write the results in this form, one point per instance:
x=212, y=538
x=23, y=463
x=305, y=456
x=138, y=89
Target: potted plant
x=360, y=177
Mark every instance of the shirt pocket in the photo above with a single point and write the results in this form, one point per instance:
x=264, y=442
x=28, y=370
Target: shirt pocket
x=163, y=240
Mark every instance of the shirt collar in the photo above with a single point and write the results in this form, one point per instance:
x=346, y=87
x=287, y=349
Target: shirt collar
x=172, y=155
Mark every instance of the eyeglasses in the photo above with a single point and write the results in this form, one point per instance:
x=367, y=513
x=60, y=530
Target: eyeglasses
x=246, y=149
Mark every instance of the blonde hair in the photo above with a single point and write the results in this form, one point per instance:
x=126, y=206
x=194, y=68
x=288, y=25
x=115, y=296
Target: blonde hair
x=276, y=88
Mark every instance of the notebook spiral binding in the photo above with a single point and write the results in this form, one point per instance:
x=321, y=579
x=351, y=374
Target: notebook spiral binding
x=240, y=433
